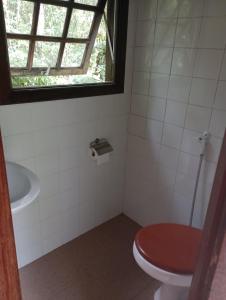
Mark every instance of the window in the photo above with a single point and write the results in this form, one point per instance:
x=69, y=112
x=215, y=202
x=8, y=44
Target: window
x=61, y=48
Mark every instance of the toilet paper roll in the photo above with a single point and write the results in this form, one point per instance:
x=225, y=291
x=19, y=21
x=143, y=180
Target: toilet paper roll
x=100, y=159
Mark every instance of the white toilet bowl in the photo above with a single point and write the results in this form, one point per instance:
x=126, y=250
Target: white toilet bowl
x=174, y=286
x=168, y=253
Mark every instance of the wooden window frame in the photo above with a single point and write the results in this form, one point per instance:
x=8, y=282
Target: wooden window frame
x=10, y=95
x=33, y=37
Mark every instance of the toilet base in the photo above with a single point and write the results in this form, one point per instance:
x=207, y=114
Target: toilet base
x=171, y=292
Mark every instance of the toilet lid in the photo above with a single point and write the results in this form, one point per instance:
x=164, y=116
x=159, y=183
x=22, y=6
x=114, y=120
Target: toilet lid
x=171, y=247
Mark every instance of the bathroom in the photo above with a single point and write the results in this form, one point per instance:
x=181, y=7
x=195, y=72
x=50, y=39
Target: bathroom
x=75, y=240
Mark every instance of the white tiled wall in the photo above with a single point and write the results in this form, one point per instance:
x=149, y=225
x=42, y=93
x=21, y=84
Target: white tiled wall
x=52, y=139
x=179, y=90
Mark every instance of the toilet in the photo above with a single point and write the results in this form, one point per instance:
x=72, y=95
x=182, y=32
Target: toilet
x=168, y=253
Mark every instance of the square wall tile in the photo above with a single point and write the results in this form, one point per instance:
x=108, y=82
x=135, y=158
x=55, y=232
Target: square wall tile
x=68, y=199
x=188, y=164
x=44, y=115
x=172, y=136
x=203, y=92
x=154, y=131
x=143, y=59
x=52, y=225
x=165, y=32
x=175, y=113
x=28, y=245
x=131, y=35
x=133, y=10
x=213, y=33
x=159, y=85
x=181, y=205
x=69, y=179
x=183, y=61
x=191, y=8
x=71, y=220
x=208, y=172
x=145, y=33
x=52, y=242
x=19, y=147
x=218, y=123
x=215, y=8
x=147, y=9
x=187, y=33
x=185, y=185
x=70, y=135
x=162, y=60
x=208, y=63
x=165, y=177
x=137, y=125
x=190, y=143
x=223, y=68
x=67, y=111
x=139, y=105
x=213, y=149
x=27, y=217
x=16, y=119
x=46, y=141
x=156, y=108
x=197, y=118
x=49, y=185
x=141, y=83
x=168, y=8
x=47, y=164
x=220, y=100
x=48, y=207
x=169, y=157
x=69, y=158
x=86, y=216
x=179, y=88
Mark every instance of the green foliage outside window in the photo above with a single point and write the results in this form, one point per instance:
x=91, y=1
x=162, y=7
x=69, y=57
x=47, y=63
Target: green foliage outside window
x=18, y=16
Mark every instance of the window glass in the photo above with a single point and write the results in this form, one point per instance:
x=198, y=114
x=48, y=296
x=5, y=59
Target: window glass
x=73, y=55
x=80, y=25
x=45, y=54
x=18, y=53
x=47, y=58
x=51, y=20
x=18, y=16
x=97, y=67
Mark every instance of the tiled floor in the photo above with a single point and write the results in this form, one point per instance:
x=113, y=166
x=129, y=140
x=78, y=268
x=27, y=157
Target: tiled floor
x=96, y=266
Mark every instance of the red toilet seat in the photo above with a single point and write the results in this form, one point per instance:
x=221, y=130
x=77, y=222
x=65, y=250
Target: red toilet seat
x=171, y=247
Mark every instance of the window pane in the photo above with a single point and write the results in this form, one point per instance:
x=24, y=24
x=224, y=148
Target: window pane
x=97, y=68
x=80, y=24
x=46, y=54
x=18, y=53
x=100, y=68
x=51, y=20
x=73, y=55
x=18, y=16
x=89, y=2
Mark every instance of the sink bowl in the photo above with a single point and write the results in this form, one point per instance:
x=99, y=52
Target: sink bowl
x=24, y=186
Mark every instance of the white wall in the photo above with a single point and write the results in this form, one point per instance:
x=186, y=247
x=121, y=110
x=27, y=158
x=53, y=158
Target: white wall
x=179, y=90
x=52, y=139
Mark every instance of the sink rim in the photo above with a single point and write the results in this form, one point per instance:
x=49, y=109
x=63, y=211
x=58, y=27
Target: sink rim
x=33, y=191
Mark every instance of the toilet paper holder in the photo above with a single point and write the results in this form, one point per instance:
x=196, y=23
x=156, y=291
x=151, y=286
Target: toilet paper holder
x=100, y=147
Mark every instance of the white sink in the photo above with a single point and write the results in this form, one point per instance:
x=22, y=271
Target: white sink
x=24, y=186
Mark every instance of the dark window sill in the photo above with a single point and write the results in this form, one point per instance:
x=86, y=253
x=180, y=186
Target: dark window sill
x=28, y=95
